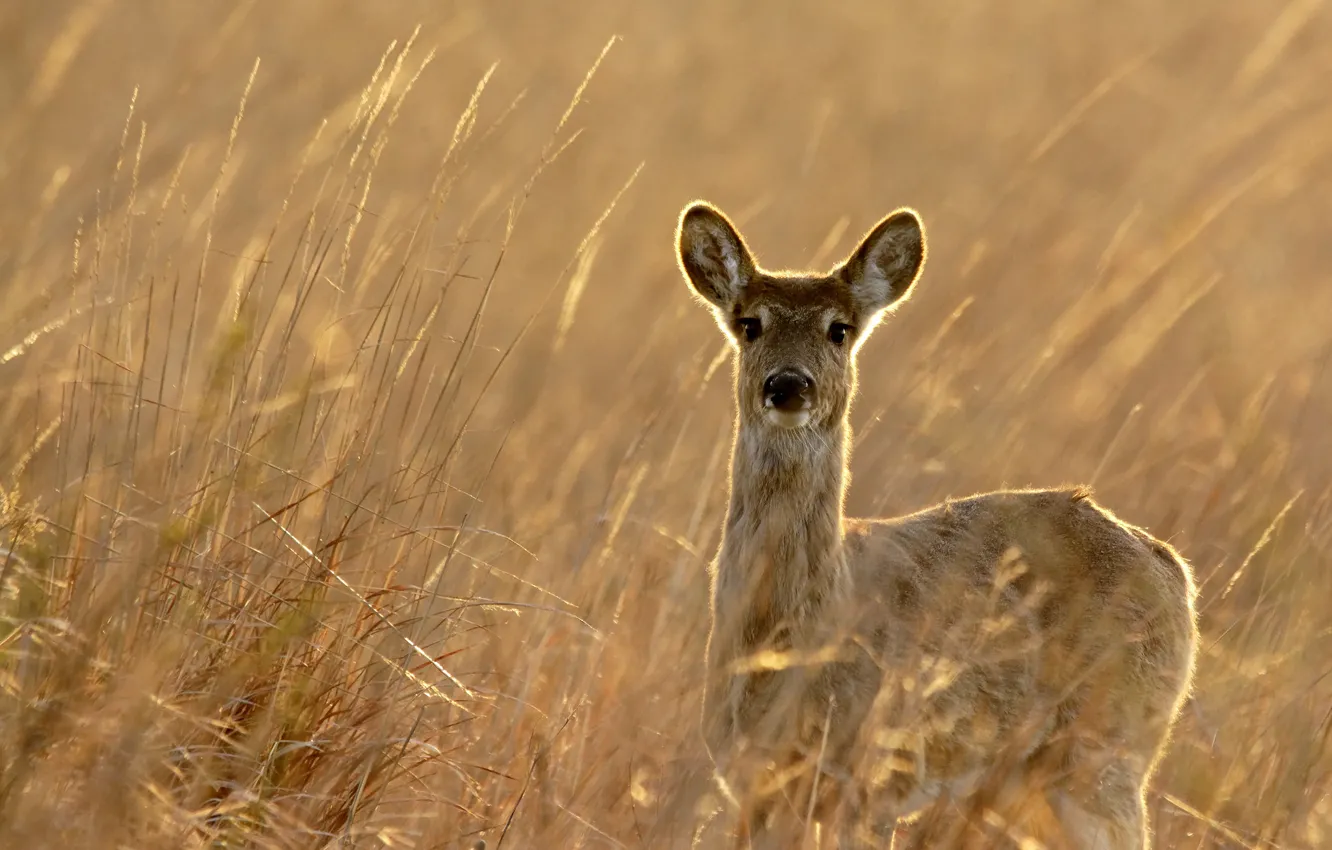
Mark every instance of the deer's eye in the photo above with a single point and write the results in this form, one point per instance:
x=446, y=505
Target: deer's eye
x=838, y=333
x=751, y=328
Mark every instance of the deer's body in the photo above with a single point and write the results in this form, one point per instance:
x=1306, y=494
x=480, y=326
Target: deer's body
x=1020, y=655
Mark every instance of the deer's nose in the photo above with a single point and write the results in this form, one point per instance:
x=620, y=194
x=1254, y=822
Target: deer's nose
x=788, y=390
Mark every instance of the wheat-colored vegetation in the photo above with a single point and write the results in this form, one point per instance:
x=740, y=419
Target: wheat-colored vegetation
x=363, y=452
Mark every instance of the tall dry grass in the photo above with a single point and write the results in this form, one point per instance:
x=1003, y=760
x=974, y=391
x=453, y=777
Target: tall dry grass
x=363, y=451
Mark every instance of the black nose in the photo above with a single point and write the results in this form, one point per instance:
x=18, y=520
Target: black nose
x=788, y=391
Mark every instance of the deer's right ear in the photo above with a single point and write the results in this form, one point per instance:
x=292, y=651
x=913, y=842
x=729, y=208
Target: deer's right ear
x=713, y=256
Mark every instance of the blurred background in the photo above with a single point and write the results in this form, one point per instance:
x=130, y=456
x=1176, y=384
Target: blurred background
x=364, y=452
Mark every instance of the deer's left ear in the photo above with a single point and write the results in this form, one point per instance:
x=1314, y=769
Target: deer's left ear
x=882, y=271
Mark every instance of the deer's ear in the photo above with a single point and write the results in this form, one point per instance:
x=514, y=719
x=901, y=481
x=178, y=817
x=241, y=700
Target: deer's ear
x=714, y=258
x=882, y=271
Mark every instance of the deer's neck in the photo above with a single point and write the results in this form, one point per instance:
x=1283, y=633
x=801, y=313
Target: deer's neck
x=782, y=559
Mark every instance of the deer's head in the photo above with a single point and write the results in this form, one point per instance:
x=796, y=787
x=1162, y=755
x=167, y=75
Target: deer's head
x=797, y=334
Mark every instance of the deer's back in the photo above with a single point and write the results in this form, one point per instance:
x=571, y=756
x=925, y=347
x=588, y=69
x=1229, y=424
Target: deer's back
x=1055, y=544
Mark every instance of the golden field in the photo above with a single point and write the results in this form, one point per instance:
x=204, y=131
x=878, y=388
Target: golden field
x=364, y=451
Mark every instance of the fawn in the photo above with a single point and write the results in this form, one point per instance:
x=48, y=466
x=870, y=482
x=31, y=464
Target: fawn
x=1013, y=661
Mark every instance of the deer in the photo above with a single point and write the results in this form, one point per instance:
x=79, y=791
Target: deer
x=1007, y=667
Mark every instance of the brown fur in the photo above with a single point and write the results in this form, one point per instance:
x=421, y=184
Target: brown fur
x=1004, y=665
